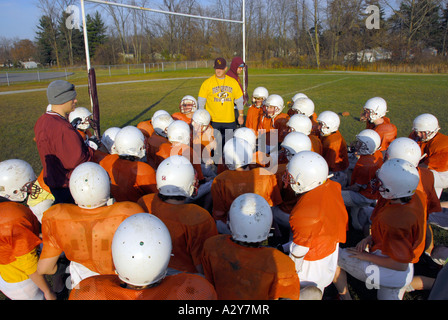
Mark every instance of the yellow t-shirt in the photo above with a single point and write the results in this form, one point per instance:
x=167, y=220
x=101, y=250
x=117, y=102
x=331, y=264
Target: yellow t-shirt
x=21, y=268
x=44, y=195
x=220, y=95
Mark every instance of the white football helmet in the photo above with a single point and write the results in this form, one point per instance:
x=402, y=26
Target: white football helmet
x=304, y=106
x=160, y=124
x=329, y=122
x=188, y=104
x=276, y=101
x=130, y=141
x=397, y=178
x=367, y=142
x=404, y=148
x=159, y=113
x=298, y=96
x=16, y=176
x=141, y=249
x=108, y=139
x=179, y=131
x=90, y=185
x=237, y=153
x=294, y=142
x=300, y=123
x=377, y=108
x=176, y=176
x=305, y=171
x=84, y=114
x=201, y=120
x=260, y=93
x=428, y=124
x=247, y=134
x=250, y=218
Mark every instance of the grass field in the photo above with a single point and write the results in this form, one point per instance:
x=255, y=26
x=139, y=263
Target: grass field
x=127, y=100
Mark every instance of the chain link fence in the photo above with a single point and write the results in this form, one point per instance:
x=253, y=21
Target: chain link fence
x=9, y=77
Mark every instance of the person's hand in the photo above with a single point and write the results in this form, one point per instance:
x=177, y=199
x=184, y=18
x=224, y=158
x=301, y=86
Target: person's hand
x=363, y=244
x=240, y=119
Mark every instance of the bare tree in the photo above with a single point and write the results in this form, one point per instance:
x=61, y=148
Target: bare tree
x=414, y=18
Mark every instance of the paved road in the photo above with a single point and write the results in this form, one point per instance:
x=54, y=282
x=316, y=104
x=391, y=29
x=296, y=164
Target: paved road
x=31, y=76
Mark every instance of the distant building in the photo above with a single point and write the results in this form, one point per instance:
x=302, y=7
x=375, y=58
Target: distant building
x=29, y=64
x=369, y=55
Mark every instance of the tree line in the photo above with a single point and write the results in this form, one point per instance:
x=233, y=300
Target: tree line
x=282, y=33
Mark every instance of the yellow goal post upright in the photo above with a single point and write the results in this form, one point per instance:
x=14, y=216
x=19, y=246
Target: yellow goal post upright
x=91, y=72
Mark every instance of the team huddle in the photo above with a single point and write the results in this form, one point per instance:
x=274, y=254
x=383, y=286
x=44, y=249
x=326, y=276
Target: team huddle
x=204, y=204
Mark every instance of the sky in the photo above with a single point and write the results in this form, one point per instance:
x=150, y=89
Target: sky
x=19, y=18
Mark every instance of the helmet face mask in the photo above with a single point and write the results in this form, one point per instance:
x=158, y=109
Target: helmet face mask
x=188, y=105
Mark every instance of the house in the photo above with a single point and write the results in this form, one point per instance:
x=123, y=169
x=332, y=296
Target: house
x=29, y=64
x=369, y=55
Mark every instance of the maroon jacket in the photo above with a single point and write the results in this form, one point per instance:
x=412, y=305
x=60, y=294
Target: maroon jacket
x=236, y=62
x=61, y=149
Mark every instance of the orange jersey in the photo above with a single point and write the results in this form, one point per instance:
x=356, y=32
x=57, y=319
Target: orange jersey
x=153, y=144
x=181, y=286
x=316, y=144
x=289, y=197
x=129, y=180
x=436, y=153
x=182, y=116
x=252, y=117
x=206, y=140
x=364, y=171
x=268, y=126
x=85, y=134
x=84, y=235
x=228, y=185
x=42, y=183
x=334, y=151
x=426, y=185
x=244, y=273
x=146, y=128
x=167, y=150
x=317, y=224
x=189, y=225
x=386, y=130
x=399, y=230
x=19, y=231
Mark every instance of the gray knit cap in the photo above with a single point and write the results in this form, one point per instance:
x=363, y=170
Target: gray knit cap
x=60, y=91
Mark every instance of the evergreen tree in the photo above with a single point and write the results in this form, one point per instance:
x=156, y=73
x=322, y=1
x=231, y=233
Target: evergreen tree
x=96, y=32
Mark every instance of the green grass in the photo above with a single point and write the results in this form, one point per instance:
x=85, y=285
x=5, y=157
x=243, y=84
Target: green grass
x=129, y=103
x=408, y=95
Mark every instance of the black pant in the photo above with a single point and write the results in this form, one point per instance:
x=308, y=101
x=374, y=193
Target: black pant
x=222, y=127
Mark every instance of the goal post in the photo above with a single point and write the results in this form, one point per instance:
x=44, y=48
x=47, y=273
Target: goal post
x=110, y=3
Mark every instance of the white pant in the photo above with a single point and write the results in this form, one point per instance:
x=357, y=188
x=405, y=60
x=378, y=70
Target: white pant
x=440, y=181
x=24, y=290
x=390, y=283
x=319, y=273
x=78, y=273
